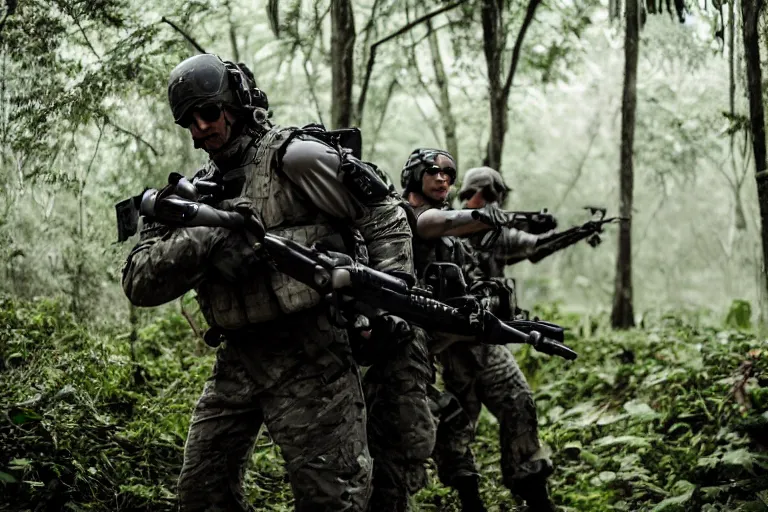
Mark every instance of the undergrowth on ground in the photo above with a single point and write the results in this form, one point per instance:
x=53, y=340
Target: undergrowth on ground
x=672, y=416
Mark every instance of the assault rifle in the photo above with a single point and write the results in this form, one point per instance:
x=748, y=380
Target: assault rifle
x=554, y=242
x=590, y=231
x=445, y=307
x=536, y=223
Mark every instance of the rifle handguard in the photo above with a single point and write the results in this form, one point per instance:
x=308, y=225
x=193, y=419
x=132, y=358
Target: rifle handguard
x=548, y=329
x=551, y=347
x=494, y=330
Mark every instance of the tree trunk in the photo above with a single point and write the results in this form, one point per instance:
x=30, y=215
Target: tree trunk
x=342, y=51
x=750, y=10
x=446, y=113
x=232, y=33
x=493, y=44
x=622, y=316
x=614, y=10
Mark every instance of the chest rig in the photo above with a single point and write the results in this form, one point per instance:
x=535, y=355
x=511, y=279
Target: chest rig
x=446, y=249
x=284, y=212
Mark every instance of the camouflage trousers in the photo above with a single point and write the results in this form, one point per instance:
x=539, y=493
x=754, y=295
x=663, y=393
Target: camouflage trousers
x=401, y=431
x=489, y=375
x=296, y=376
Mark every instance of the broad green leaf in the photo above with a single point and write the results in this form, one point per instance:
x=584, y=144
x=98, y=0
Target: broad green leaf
x=21, y=416
x=7, y=478
x=673, y=503
x=640, y=409
x=633, y=441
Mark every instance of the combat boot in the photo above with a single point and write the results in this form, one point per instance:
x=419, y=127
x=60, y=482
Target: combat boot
x=536, y=497
x=469, y=493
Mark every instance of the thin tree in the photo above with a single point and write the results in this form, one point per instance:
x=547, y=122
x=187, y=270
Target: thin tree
x=342, y=61
x=448, y=120
x=499, y=87
x=622, y=316
x=750, y=12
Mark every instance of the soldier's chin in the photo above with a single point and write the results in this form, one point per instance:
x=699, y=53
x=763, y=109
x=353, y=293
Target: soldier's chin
x=209, y=145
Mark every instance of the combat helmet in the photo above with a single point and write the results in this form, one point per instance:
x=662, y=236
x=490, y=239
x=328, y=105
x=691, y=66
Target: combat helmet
x=206, y=78
x=486, y=179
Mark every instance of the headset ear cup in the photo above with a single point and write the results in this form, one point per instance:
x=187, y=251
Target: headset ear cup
x=259, y=99
x=249, y=74
x=239, y=83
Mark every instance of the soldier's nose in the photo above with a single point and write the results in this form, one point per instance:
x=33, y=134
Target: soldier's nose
x=201, y=124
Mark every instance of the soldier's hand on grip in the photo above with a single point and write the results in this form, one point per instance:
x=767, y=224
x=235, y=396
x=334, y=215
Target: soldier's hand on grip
x=491, y=215
x=238, y=255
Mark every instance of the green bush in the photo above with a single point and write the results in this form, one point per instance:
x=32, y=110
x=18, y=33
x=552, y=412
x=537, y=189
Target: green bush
x=671, y=417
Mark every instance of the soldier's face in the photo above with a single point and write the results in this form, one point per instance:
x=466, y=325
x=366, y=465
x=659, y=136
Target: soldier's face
x=436, y=181
x=211, y=127
x=476, y=201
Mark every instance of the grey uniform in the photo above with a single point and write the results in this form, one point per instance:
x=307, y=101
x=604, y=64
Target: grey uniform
x=488, y=374
x=512, y=244
x=283, y=363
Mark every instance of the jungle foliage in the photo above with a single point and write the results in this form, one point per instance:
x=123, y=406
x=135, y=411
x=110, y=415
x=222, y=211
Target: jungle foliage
x=672, y=417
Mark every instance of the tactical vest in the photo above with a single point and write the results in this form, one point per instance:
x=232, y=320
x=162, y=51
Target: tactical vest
x=447, y=249
x=490, y=266
x=285, y=212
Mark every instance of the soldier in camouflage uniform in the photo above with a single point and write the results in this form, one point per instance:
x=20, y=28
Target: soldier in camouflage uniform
x=474, y=374
x=282, y=362
x=401, y=429
x=483, y=186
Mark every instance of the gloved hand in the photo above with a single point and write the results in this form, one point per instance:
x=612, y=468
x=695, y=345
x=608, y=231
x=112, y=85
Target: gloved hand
x=234, y=256
x=238, y=255
x=379, y=338
x=493, y=216
x=541, y=223
x=391, y=329
x=253, y=224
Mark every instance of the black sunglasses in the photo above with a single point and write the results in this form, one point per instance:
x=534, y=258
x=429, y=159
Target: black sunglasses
x=448, y=171
x=490, y=195
x=209, y=112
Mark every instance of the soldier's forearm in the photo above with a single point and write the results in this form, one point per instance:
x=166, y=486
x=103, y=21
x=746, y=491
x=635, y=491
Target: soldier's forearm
x=436, y=223
x=161, y=269
x=515, y=245
x=388, y=238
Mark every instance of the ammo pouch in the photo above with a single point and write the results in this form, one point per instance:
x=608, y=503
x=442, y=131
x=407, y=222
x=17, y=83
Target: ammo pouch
x=292, y=295
x=443, y=405
x=498, y=296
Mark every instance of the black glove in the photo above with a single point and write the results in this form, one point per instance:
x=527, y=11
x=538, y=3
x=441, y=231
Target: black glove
x=253, y=224
x=493, y=216
x=541, y=223
x=238, y=255
x=380, y=338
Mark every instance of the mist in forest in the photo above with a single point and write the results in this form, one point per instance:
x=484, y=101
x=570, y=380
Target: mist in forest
x=85, y=123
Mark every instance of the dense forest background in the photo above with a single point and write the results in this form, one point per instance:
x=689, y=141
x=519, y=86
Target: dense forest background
x=534, y=88
x=85, y=122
